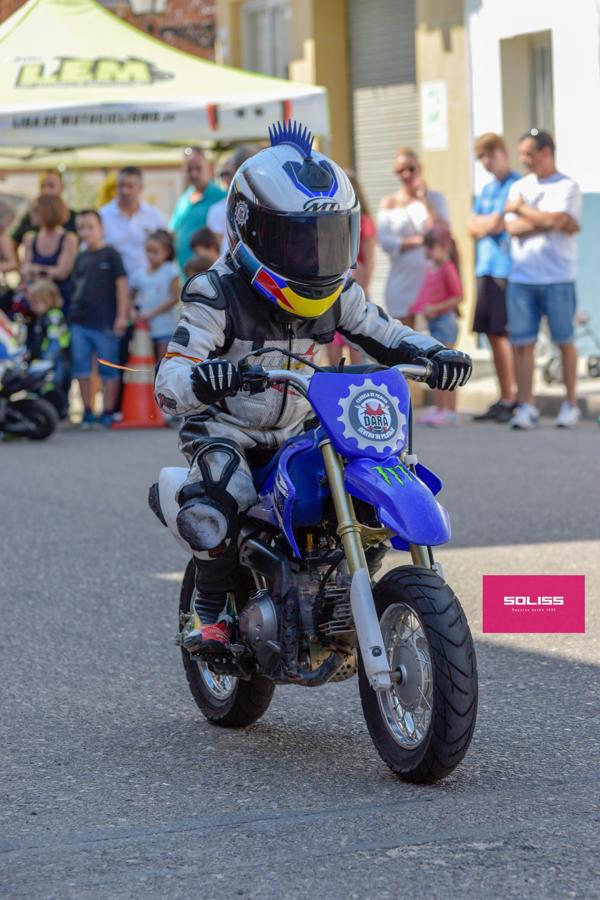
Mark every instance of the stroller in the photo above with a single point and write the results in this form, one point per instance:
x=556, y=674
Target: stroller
x=549, y=355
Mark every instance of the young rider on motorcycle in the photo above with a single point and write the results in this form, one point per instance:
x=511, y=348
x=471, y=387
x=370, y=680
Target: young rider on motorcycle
x=293, y=224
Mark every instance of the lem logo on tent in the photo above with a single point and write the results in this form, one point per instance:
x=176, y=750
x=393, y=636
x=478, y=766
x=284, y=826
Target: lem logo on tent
x=75, y=71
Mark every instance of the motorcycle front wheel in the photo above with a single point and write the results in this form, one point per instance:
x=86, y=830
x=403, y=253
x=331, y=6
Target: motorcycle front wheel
x=422, y=726
x=223, y=699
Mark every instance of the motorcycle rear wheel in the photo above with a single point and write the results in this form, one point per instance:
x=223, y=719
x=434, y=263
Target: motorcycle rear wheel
x=423, y=726
x=223, y=699
x=41, y=416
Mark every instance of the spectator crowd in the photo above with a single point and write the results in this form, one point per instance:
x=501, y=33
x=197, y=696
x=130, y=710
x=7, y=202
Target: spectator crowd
x=525, y=230
x=88, y=277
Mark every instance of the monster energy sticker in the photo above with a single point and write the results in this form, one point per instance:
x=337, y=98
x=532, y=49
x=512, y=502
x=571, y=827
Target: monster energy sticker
x=392, y=475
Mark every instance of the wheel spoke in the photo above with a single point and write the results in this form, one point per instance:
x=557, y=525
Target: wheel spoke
x=425, y=700
x=408, y=706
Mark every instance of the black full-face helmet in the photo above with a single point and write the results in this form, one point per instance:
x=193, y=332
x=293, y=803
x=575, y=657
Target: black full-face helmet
x=293, y=223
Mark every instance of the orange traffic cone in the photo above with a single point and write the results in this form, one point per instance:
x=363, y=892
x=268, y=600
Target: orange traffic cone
x=139, y=407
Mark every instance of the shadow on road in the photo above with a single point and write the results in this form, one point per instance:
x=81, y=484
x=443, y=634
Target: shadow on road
x=538, y=723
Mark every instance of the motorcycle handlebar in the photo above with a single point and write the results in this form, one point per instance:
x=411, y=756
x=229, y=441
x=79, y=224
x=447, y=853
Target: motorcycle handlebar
x=255, y=375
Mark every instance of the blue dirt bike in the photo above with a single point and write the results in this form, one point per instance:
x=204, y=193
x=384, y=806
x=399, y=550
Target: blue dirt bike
x=308, y=611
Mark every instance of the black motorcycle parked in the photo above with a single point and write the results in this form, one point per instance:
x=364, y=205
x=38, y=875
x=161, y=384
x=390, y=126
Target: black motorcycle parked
x=23, y=412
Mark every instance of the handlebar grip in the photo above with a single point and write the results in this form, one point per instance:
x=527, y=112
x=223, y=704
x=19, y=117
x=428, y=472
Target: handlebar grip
x=419, y=370
x=253, y=379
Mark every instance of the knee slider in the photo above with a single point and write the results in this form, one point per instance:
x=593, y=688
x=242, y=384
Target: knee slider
x=207, y=517
x=209, y=509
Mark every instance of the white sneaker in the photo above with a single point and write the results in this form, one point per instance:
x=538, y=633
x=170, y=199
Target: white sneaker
x=568, y=416
x=445, y=418
x=525, y=417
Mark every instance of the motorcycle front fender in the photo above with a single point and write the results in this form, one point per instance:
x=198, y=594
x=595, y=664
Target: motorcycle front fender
x=404, y=500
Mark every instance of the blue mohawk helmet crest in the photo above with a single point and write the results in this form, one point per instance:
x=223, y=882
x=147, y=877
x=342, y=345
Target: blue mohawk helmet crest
x=312, y=177
x=294, y=134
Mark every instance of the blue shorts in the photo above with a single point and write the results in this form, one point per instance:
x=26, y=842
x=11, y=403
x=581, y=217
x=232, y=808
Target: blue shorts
x=445, y=328
x=527, y=303
x=89, y=342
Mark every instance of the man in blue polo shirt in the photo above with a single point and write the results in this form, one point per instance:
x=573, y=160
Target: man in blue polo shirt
x=492, y=268
x=192, y=207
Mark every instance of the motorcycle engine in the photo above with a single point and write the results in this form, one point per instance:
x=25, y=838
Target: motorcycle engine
x=330, y=614
x=259, y=628
x=328, y=619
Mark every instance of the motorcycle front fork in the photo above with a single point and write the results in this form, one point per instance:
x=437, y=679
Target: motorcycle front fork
x=366, y=620
x=422, y=555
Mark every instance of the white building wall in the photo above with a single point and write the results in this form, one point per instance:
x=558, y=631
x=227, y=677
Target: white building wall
x=575, y=39
x=575, y=27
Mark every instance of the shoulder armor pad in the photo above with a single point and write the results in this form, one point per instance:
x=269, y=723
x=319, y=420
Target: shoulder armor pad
x=204, y=288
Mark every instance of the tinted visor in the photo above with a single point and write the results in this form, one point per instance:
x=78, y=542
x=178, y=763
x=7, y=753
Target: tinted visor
x=305, y=246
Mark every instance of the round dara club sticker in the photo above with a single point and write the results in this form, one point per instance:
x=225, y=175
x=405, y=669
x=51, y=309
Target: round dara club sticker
x=372, y=416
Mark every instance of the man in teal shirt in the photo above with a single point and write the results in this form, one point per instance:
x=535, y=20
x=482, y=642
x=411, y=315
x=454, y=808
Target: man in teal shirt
x=192, y=207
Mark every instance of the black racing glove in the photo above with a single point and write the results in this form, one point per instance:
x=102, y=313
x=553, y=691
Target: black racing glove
x=451, y=368
x=214, y=379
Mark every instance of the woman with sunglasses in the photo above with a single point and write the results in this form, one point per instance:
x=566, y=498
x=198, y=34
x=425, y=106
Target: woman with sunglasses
x=403, y=220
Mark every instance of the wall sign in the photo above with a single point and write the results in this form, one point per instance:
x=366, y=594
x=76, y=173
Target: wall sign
x=434, y=115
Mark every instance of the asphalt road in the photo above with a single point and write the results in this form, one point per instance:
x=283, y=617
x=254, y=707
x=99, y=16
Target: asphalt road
x=113, y=785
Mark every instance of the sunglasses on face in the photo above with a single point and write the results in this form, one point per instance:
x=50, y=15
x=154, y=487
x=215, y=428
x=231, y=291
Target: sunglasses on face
x=226, y=174
x=410, y=169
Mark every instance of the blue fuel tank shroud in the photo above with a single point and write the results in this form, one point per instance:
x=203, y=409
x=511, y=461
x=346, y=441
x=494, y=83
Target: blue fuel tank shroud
x=295, y=486
x=405, y=500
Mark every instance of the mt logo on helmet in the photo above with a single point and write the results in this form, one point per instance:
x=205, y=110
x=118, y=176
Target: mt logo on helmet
x=321, y=205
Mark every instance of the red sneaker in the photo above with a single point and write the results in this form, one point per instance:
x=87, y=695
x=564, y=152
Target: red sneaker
x=209, y=638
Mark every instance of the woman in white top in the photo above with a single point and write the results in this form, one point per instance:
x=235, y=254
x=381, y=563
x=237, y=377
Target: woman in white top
x=404, y=218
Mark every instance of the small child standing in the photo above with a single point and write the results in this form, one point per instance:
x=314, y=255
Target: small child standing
x=204, y=242
x=48, y=338
x=198, y=264
x=155, y=290
x=99, y=316
x=438, y=300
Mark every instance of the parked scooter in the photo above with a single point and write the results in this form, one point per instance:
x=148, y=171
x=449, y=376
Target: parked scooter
x=23, y=413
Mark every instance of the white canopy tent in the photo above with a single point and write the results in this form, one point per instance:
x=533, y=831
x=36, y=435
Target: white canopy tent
x=81, y=87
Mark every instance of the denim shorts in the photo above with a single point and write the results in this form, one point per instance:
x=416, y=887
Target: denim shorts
x=89, y=342
x=527, y=303
x=445, y=328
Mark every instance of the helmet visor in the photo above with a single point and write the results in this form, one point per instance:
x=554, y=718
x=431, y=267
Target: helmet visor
x=305, y=246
